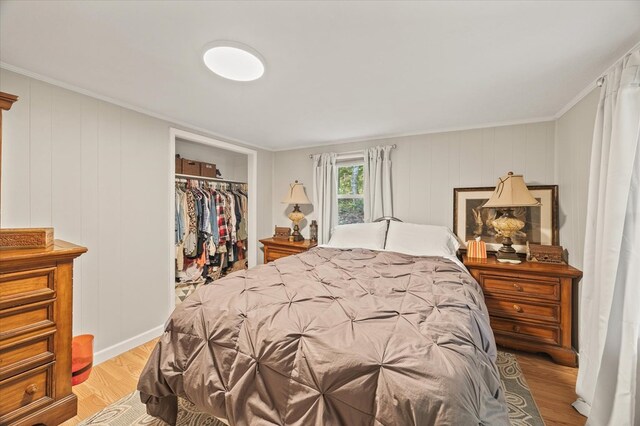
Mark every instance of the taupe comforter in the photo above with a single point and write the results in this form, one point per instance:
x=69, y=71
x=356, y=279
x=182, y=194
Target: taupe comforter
x=332, y=337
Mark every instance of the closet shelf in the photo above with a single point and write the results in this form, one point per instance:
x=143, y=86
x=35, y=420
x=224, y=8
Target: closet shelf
x=181, y=176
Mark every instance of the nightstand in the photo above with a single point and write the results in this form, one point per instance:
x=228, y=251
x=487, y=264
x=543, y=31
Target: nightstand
x=276, y=248
x=530, y=305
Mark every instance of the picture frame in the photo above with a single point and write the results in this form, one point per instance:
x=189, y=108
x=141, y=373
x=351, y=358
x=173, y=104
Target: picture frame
x=471, y=221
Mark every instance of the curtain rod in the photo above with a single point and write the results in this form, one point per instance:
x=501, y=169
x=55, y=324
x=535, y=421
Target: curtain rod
x=600, y=80
x=192, y=177
x=348, y=152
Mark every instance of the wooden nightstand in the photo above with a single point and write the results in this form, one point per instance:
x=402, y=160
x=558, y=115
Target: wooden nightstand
x=275, y=249
x=530, y=305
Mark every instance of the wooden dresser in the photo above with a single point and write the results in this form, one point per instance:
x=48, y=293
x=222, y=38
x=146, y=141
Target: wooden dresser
x=530, y=305
x=276, y=248
x=35, y=334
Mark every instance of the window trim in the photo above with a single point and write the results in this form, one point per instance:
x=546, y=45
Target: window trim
x=350, y=163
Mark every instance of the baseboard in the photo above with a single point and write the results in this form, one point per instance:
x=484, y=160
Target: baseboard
x=119, y=348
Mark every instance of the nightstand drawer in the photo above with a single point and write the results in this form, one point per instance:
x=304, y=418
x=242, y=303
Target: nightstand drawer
x=547, y=288
x=276, y=248
x=540, y=333
x=273, y=254
x=530, y=304
x=505, y=307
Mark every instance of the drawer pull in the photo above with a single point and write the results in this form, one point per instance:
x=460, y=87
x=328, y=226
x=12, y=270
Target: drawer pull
x=517, y=308
x=516, y=328
x=31, y=389
x=517, y=286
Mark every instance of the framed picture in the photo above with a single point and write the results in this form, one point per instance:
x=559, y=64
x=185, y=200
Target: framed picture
x=470, y=220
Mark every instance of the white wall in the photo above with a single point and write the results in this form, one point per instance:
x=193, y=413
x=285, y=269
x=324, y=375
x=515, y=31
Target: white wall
x=426, y=168
x=98, y=174
x=574, y=135
x=232, y=165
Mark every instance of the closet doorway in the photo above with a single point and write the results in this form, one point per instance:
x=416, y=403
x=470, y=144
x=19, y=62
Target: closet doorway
x=237, y=164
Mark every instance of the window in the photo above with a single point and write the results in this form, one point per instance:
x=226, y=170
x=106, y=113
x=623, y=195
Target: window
x=350, y=192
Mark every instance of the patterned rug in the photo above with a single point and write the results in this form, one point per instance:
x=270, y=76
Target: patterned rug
x=184, y=290
x=129, y=411
x=523, y=410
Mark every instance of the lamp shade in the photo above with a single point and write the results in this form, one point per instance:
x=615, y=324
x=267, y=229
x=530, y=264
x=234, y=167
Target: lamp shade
x=296, y=194
x=511, y=191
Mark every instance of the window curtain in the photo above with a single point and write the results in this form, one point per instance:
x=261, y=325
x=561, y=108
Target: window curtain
x=377, y=183
x=325, y=198
x=608, y=378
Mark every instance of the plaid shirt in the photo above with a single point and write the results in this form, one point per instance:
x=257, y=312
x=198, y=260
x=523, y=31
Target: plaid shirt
x=222, y=222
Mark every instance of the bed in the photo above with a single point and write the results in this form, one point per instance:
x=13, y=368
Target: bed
x=332, y=336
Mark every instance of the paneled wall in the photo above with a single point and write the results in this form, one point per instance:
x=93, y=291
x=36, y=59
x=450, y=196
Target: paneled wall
x=98, y=174
x=426, y=168
x=574, y=135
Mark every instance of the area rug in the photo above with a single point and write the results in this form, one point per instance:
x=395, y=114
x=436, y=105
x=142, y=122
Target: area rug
x=523, y=410
x=129, y=411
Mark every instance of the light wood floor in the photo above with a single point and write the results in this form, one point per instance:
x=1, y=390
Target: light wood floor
x=552, y=385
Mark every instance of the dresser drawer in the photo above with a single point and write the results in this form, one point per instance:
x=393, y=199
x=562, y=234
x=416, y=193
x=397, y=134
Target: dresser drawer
x=505, y=307
x=537, y=332
x=25, y=319
x=27, y=353
x=18, y=288
x=26, y=392
x=547, y=288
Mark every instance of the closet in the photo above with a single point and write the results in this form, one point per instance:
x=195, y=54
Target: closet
x=211, y=215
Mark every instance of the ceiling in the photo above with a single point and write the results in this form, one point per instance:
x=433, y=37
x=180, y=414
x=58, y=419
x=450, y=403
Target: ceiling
x=334, y=70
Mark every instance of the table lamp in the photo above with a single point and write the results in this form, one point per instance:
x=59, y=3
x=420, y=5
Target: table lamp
x=510, y=192
x=296, y=196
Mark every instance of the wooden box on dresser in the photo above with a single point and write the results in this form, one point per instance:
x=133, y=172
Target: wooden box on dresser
x=275, y=248
x=530, y=305
x=35, y=334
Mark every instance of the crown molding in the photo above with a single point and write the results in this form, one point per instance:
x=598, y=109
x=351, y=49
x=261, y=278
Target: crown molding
x=591, y=86
x=581, y=95
x=419, y=133
x=188, y=126
x=171, y=121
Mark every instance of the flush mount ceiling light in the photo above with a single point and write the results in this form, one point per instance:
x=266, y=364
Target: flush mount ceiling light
x=233, y=61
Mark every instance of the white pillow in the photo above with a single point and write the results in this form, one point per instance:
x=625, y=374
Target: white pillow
x=421, y=240
x=359, y=235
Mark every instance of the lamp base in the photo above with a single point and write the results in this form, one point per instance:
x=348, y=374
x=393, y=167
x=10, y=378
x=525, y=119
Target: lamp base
x=296, y=235
x=506, y=253
x=504, y=257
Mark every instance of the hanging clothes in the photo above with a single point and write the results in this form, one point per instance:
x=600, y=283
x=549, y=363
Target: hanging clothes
x=211, y=229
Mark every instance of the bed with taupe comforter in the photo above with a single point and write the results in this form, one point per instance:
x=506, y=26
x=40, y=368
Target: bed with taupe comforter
x=332, y=337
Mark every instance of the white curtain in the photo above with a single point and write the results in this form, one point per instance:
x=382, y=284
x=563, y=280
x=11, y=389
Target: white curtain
x=377, y=183
x=608, y=378
x=325, y=200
